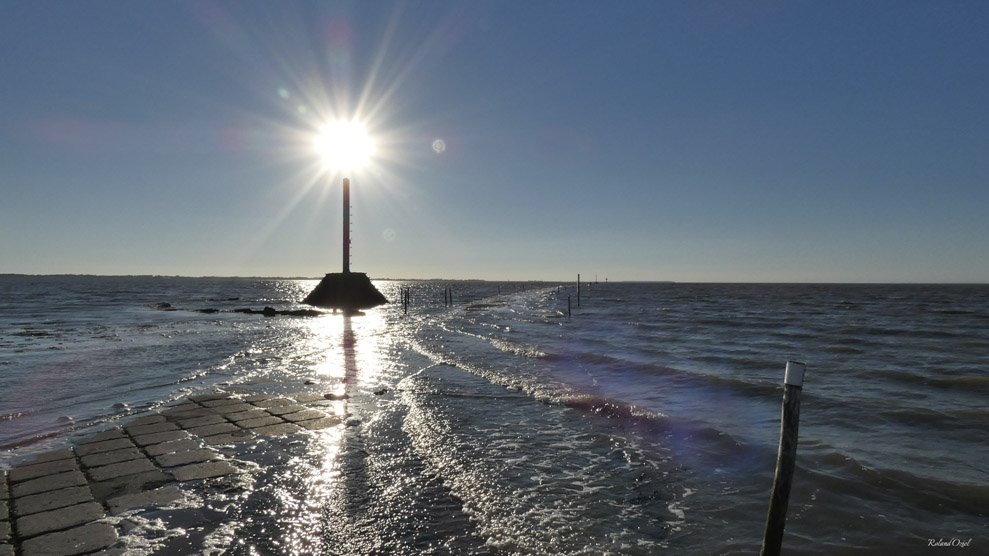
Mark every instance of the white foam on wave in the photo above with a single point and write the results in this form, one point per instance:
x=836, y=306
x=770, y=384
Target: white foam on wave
x=531, y=478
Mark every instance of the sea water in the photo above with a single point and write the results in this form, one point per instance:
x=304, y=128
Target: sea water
x=644, y=420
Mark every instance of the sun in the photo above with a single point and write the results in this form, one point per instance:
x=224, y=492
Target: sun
x=344, y=146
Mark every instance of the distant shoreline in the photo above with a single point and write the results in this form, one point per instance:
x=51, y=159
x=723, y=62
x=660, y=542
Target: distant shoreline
x=462, y=280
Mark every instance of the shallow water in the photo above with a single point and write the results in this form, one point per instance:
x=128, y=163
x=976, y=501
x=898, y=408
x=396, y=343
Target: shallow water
x=647, y=421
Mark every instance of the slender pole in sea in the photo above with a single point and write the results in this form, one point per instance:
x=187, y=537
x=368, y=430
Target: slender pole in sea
x=786, y=459
x=346, y=225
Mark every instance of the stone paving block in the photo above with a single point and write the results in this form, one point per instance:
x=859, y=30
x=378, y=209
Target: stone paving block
x=55, y=520
x=117, y=470
x=60, y=518
x=273, y=402
x=287, y=408
x=305, y=415
x=208, y=397
x=151, y=429
x=185, y=458
x=26, y=472
x=107, y=458
x=211, y=430
x=112, y=434
x=183, y=402
x=203, y=470
x=129, y=484
x=173, y=446
x=147, y=420
x=180, y=404
x=159, y=437
x=278, y=430
x=55, y=455
x=4, y=514
x=221, y=402
x=4, y=493
x=318, y=424
x=47, y=483
x=190, y=412
x=79, y=540
x=4, y=530
x=200, y=421
x=249, y=414
x=52, y=500
x=229, y=438
x=105, y=446
x=258, y=398
x=260, y=422
x=158, y=497
x=6, y=549
x=306, y=397
x=233, y=408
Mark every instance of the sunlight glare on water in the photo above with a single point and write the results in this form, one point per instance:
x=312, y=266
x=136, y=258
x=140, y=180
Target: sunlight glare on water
x=316, y=475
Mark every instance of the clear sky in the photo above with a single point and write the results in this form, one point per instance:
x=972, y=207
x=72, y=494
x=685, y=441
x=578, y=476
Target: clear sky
x=633, y=140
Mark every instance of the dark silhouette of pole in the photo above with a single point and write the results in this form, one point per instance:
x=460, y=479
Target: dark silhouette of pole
x=346, y=225
x=786, y=459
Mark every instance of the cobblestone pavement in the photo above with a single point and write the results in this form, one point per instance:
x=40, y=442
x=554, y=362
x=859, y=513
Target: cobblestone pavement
x=58, y=503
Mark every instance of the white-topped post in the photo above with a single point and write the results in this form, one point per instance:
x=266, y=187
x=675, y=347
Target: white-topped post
x=786, y=459
x=794, y=375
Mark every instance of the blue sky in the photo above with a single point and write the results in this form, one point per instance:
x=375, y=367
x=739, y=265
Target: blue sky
x=634, y=140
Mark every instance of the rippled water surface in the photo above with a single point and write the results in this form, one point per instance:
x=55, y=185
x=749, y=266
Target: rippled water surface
x=645, y=422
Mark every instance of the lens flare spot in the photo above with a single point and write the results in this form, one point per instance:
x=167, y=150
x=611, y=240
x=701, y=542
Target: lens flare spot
x=302, y=109
x=388, y=234
x=439, y=146
x=282, y=92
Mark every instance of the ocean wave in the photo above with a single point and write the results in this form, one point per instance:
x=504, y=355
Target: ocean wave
x=16, y=414
x=967, y=383
x=517, y=348
x=609, y=408
x=843, y=350
x=953, y=421
x=842, y=473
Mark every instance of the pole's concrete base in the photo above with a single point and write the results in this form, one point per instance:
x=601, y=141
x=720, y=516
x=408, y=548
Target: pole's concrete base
x=348, y=291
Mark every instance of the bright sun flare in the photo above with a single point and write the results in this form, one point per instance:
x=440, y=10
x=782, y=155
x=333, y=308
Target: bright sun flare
x=344, y=146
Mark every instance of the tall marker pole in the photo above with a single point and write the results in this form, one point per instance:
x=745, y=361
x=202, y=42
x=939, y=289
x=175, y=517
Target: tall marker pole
x=346, y=225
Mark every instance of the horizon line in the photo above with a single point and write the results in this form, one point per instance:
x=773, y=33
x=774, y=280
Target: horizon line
x=529, y=280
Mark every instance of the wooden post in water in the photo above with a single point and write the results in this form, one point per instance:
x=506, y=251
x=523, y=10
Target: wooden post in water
x=569, y=313
x=786, y=459
x=578, y=290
